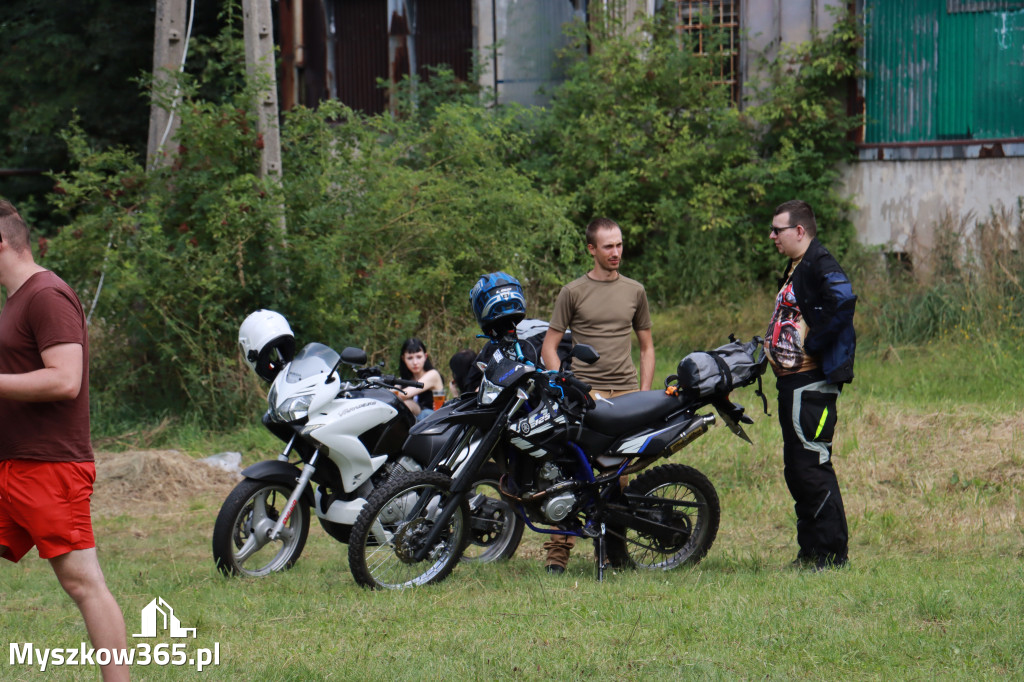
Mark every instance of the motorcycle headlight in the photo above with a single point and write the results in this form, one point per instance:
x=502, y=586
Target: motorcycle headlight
x=292, y=409
x=488, y=392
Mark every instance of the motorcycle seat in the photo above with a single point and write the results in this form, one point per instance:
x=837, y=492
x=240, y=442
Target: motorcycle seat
x=630, y=411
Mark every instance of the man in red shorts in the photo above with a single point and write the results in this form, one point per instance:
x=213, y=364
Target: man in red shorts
x=46, y=461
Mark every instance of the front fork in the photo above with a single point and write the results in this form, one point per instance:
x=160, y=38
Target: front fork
x=463, y=481
x=307, y=473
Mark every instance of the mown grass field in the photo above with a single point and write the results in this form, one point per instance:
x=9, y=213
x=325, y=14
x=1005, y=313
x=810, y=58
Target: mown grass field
x=930, y=456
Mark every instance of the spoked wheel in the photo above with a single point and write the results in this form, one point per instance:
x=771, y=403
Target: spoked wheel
x=675, y=520
x=393, y=526
x=241, y=535
x=495, y=529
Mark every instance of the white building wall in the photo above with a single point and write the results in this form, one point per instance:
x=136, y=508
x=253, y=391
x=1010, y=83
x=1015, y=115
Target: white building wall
x=767, y=24
x=900, y=203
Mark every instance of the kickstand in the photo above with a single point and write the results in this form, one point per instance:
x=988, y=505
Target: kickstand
x=600, y=554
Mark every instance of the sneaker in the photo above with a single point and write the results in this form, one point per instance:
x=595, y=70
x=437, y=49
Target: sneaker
x=555, y=569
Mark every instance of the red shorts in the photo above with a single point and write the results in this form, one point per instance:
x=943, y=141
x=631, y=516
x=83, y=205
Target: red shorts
x=45, y=504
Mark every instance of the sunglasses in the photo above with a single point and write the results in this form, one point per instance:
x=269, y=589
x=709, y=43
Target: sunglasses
x=774, y=231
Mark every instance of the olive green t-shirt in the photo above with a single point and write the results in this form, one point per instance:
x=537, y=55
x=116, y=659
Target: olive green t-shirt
x=604, y=315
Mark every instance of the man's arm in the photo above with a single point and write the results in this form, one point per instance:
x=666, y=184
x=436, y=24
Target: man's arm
x=59, y=379
x=549, y=349
x=838, y=304
x=646, y=358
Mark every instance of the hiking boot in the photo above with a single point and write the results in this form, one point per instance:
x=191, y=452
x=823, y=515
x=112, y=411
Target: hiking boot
x=555, y=569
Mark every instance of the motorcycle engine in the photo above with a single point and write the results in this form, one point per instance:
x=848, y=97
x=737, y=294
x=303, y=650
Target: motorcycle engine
x=558, y=506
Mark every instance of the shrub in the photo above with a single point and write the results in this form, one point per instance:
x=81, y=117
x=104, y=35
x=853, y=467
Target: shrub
x=380, y=226
x=377, y=233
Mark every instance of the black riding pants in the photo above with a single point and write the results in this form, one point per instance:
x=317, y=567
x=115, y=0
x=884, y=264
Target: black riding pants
x=807, y=414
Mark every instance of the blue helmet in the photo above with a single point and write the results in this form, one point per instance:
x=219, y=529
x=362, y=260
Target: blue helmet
x=496, y=298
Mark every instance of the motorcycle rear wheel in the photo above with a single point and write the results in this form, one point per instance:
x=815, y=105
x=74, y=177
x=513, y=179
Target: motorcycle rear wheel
x=695, y=522
x=390, y=529
x=240, y=534
x=495, y=530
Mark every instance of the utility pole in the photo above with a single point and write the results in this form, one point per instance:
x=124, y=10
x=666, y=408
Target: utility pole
x=259, y=67
x=168, y=50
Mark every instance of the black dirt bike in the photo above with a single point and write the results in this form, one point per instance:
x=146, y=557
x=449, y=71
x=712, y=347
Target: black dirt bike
x=562, y=458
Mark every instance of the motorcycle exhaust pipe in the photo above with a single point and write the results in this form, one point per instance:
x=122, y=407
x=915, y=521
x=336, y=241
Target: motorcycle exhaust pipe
x=697, y=428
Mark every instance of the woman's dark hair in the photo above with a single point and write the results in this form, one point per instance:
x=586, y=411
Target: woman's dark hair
x=461, y=364
x=412, y=345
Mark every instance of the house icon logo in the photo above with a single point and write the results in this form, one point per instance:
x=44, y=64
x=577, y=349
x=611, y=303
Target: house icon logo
x=158, y=614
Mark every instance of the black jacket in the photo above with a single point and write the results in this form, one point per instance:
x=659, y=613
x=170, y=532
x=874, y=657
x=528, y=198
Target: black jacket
x=826, y=301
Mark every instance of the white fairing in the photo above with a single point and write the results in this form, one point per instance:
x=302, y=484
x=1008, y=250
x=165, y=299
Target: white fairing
x=339, y=425
x=340, y=511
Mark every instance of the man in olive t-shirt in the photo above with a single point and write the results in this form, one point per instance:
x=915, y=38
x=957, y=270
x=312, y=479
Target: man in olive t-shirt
x=602, y=308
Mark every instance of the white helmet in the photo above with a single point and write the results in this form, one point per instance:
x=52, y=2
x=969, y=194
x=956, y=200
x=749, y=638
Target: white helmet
x=267, y=342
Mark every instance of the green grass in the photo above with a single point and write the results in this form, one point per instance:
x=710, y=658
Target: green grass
x=930, y=457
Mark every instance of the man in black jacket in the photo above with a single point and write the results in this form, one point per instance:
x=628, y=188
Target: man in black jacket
x=810, y=344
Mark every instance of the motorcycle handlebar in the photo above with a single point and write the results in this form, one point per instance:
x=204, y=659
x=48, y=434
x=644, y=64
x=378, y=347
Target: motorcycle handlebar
x=576, y=383
x=391, y=381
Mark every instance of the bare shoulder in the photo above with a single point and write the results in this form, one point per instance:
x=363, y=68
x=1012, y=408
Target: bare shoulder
x=432, y=379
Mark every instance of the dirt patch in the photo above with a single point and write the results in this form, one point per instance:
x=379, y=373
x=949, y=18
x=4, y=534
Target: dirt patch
x=153, y=481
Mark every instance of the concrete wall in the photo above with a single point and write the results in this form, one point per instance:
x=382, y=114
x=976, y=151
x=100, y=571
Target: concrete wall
x=528, y=35
x=900, y=203
x=767, y=24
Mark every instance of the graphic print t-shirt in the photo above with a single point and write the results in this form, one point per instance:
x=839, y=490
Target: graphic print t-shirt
x=784, y=340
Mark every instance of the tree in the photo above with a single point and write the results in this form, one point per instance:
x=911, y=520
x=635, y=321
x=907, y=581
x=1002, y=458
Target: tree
x=65, y=59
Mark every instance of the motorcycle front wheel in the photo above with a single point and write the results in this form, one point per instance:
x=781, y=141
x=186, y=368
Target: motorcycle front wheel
x=241, y=543
x=392, y=527
x=677, y=513
x=495, y=530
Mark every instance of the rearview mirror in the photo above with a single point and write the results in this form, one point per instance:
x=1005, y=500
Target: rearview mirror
x=585, y=353
x=353, y=356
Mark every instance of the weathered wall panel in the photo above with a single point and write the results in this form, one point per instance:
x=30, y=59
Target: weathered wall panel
x=900, y=203
x=768, y=24
x=362, y=53
x=520, y=39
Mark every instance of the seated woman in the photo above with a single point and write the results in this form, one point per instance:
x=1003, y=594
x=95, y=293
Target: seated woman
x=414, y=363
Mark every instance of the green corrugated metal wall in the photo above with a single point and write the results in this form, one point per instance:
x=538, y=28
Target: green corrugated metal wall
x=941, y=75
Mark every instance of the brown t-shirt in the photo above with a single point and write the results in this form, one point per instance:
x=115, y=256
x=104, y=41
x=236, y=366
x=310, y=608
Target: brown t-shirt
x=604, y=315
x=43, y=312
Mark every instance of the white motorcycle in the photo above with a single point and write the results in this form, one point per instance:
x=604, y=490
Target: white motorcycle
x=347, y=434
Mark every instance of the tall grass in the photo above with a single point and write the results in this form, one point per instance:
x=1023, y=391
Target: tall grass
x=969, y=285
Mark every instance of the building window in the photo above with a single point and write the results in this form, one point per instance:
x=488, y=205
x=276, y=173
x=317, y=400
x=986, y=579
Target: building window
x=712, y=27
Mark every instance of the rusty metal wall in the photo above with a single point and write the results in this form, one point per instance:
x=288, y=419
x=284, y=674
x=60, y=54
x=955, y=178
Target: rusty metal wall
x=361, y=49
x=370, y=44
x=445, y=36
